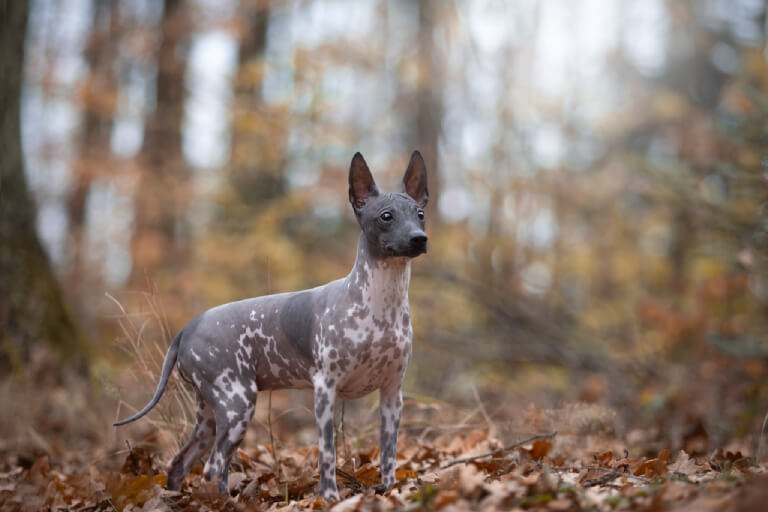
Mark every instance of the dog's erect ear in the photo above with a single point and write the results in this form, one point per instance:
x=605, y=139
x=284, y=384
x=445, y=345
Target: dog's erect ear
x=415, y=180
x=361, y=184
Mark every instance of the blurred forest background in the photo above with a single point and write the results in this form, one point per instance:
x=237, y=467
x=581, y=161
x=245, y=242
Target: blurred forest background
x=598, y=178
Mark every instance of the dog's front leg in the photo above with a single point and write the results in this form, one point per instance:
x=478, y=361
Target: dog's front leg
x=325, y=397
x=391, y=405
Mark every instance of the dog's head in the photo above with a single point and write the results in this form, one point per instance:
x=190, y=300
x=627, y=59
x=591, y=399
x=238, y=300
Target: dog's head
x=393, y=223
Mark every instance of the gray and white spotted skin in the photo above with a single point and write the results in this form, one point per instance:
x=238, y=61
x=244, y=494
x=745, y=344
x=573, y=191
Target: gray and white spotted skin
x=343, y=339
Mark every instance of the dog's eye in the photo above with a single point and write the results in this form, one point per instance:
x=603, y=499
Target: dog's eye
x=420, y=213
x=386, y=216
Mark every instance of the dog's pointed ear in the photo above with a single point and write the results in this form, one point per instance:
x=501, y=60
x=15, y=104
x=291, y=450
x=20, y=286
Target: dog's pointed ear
x=361, y=184
x=415, y=180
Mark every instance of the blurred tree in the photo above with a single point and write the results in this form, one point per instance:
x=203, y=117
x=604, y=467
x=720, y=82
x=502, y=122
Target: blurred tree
x=159, y=229
x=429, y=99
x=609, y=192
x=256, y=159
x=32, y=308
x=246, y=212
x=99, y=98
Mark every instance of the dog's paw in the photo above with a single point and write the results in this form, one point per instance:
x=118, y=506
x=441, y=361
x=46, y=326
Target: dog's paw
x=331, y=497
x=329, y=493
x=381, y=488
x=208, y=472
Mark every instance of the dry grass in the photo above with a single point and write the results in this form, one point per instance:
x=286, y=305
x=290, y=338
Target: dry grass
x=144, y=338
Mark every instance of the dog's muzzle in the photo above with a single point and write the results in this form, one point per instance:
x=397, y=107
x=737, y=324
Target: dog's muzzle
x=418, y=243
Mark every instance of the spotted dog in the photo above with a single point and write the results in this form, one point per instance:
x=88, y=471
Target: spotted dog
x=343, y=339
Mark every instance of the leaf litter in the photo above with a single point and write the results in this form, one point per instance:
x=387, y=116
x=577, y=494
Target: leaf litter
x=60, y=454
x=466, y=471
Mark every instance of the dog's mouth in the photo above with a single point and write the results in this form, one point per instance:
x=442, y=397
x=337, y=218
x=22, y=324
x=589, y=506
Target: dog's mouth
x=418, y=249
x=411, y=251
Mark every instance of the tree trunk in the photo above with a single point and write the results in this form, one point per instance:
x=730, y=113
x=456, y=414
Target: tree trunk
x=158, y=237
x=429, y=101
x=32, y=308
x=256, y=161
x=99, y=103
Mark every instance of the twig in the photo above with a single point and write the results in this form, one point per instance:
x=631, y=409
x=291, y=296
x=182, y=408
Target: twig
x=271, y=437
x=343, y=434
x=351, y=479
x=481, y=406
x=462, y=424
x=760, y=440
x=612, y=475
x=40, y=440
x=491, y=454
x=599, y=480
x=414, y=425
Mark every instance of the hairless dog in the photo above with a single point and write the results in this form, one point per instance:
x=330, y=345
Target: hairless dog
x=344, y=339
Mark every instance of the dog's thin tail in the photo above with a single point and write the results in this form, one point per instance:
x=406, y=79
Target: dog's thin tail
x=168, y=364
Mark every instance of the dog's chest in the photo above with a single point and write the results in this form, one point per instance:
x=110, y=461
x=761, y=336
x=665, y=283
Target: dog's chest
x=378, y=356
x=368, y=342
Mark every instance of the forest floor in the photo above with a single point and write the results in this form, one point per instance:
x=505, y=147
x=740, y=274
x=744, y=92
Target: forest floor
x=58, y=451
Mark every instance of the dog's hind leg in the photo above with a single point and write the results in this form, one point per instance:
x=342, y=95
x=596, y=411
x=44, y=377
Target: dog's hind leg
x=231, y=425
x=198, y=444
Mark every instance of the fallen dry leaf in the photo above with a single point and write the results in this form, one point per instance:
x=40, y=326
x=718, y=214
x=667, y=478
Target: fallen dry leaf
x=451, y=472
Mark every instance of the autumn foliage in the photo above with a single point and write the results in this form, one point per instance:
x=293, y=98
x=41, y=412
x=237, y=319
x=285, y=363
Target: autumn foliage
x=596, y=275
x=456, y=467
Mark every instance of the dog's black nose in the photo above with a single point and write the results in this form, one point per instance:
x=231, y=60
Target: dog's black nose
x=418, y=239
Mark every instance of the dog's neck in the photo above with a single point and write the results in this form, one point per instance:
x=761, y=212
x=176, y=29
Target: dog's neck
x=383, y=282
